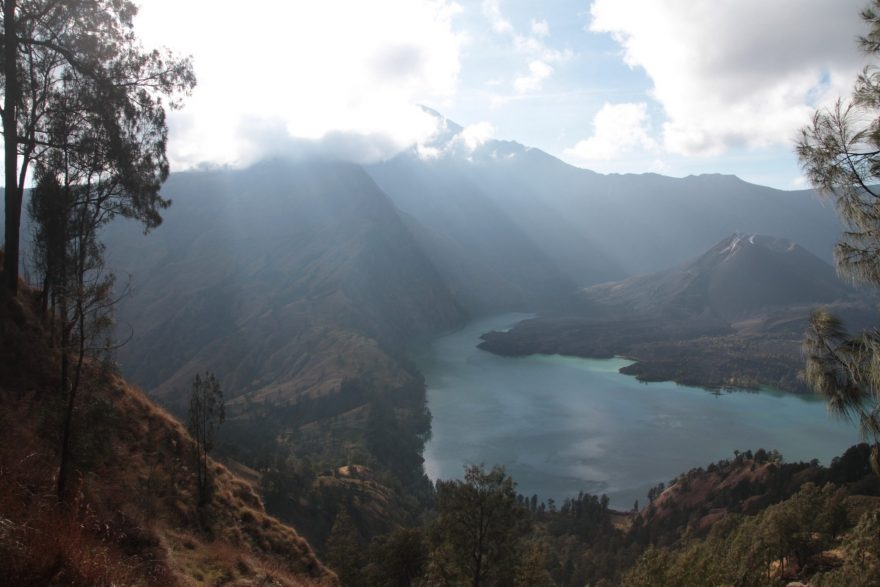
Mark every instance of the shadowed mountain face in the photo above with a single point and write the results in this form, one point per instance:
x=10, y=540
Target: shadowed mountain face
x=507, y=227
x=493, y=262
x=526, y=216
x=303, y=261
x=300, y=286
x=267, y=274
x=739, y=277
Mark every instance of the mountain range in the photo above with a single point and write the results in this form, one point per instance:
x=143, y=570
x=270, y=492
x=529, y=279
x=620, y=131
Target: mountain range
x=397, y=251
x=588, y=226
x=733, y=316
x=305, y=285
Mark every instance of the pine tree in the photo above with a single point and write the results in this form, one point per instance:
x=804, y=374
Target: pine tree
x=343, y=548
x=840, y=153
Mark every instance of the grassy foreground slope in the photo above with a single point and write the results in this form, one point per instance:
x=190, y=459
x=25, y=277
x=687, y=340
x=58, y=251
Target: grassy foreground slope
x=133, y=518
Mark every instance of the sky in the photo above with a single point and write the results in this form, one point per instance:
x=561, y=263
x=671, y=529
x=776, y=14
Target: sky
x=677, y=87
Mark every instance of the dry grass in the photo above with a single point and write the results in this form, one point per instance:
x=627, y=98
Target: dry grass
x=45, y=543
x=135, y=519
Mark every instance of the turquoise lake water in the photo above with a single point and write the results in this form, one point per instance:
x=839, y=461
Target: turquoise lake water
x=561, y=425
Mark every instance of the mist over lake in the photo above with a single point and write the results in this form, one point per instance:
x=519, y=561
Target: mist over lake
x=561, y=425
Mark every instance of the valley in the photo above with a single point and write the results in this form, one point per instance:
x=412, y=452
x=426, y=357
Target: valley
x=270, y=317
x=308, y=287
x=342, y=308
x=348, y=312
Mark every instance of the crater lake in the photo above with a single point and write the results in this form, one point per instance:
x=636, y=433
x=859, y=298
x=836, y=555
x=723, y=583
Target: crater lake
x=560, y=425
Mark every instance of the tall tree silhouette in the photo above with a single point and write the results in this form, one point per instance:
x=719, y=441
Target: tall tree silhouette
x=76, y=286
x=206, y=413
x=87, y=47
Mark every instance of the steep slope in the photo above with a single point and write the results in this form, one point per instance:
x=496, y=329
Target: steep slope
x=648, y=222
x=134, y=518
x=732, y=317
x=300, y=286
x=739, y=277
x=259, y=274
x=472, y=234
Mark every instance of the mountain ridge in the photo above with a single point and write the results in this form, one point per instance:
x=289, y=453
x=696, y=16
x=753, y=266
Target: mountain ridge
x=597, y=227
x=741, y=275
x=732, y=317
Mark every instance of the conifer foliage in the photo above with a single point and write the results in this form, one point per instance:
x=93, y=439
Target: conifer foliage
x=840, y=153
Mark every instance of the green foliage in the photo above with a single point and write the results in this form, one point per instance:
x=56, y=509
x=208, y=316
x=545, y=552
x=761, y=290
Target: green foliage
x=395, y=435
x=476, y=536
x=840, y=153
x=846, y=371
x=862, y=549
x=300, y=458
x=753, y=550
x=532, y=569
x=398, y=559
x=582, y=545
x=71, y=260
x=49, y=208
x=344, y=553
x=651, y=569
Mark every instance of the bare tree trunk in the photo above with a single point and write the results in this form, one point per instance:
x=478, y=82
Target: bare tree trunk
x=44, y=297
x=64, y=468
x=203, y=461
x=79, y=323
x=10, y=146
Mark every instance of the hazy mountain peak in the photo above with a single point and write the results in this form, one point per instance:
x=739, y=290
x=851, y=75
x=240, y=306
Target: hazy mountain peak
x=741, y=275
x=446, y=123
x=469, y=144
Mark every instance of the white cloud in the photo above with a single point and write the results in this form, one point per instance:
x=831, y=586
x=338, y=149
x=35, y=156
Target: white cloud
x=736, y=73
x=455, y=141
x=800, y=183
x=339, y=71
x=540, y=28
x=660, y=166
x=538, y=72
x=492, y=11
x=475, y=135
x=618, y=129
x=538, y=54
x=427, y=153
x=536, y=47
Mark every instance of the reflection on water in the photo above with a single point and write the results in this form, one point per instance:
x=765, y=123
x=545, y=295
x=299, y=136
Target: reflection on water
x=563, y=425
